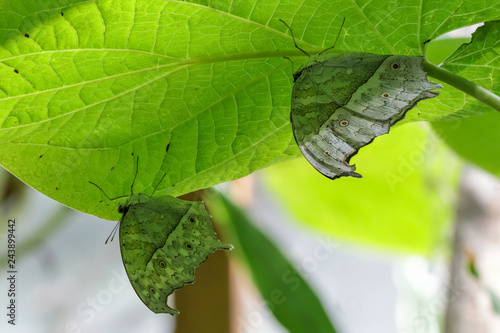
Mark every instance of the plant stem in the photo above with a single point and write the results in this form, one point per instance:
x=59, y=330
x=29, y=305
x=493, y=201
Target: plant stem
x=472, y=89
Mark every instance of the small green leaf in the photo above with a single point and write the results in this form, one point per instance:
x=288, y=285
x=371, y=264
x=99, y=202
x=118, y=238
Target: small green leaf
x=495, y=301
x=478, y=62
x=471, y=268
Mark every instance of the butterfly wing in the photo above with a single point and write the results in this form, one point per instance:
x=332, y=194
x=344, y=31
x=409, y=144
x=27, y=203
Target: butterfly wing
x=342, y=103
x=162, y=240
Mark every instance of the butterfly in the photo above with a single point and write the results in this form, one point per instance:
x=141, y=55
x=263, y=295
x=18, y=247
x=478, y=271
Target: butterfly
x=341, y=103
x=162, y=240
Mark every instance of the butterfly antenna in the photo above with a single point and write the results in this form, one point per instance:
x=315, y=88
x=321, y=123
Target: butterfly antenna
x=338, y=35
x=113, y=233
x=158, y=184
x=293, y=71
x=291, y=32
x=135, y=176
x=111, y=199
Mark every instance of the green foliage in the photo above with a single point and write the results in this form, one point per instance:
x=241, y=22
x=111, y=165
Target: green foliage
x=477, y=62
x=400, y=204
x=476, y=138
x=286, y=293
x=472, y=270
x=471, y=266
x=495, y=301
x=84, y=85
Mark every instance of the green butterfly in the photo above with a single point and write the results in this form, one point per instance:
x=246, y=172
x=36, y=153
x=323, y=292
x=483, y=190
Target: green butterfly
x=341, y=103
x=162, y=240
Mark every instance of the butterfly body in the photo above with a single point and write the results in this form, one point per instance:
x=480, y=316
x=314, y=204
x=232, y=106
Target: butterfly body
x=341, y=103
x=162, y=240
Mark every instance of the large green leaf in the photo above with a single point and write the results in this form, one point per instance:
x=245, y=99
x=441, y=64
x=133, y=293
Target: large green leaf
x=286, y=293
x=402, y=203
x=198, y=89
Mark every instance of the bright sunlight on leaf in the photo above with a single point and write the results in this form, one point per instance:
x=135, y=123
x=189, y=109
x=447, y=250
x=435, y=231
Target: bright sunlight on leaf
x=198, y=89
